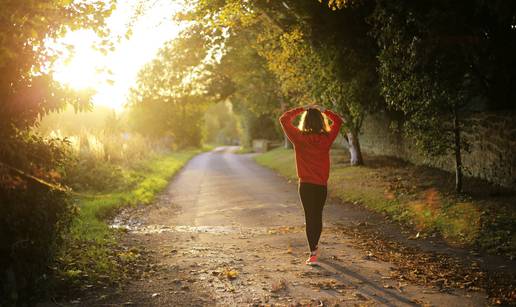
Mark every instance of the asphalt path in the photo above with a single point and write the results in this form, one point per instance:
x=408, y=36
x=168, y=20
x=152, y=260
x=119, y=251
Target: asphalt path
x=230, y=232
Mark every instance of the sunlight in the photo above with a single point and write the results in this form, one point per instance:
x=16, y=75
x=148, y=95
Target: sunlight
x=111, y=75
x=81, y=69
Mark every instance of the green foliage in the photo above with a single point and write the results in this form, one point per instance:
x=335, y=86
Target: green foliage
x=100, y=150
x=435, y=65
x=221, y=125
x=167, y=101
x=26, y=87
x=255, y=88
x=344, y=75
x=434, y=58
x=439, y=59
x=178, y=120
x=254, y=91
x=290, y=53
x=430, y=82
x=238, y=73
x=329, y=75
x=91, y=174
x=33, y=216
x=256, y=127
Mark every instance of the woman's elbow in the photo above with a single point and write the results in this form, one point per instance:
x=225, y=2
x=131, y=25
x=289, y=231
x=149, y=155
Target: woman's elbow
x=283, y=119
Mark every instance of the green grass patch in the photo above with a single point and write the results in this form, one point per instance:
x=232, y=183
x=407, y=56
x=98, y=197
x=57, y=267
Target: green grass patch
x=90, y=253
x=416, y=196
x=153, y=176
x=281, y=160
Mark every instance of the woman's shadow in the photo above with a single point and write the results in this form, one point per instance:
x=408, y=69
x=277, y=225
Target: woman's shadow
x=382, y=295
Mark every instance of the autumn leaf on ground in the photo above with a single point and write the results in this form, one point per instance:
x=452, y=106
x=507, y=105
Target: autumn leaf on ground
x=230, y=273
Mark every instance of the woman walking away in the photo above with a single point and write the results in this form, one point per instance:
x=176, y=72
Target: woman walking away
x=312, y=142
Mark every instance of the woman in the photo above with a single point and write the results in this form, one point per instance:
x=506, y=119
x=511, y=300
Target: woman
x=312, y=142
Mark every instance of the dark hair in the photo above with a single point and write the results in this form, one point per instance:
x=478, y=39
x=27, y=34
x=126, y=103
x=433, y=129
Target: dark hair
x=313, y=121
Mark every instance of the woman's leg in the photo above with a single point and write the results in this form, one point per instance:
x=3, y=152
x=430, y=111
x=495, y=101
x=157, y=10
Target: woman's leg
x=320, y=200
x=307, y=199
x=313, y=198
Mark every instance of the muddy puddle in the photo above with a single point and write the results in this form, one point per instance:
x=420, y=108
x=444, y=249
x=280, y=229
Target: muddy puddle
x=130, y=220
x=138, y=227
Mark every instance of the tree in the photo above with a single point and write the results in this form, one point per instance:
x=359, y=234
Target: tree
x=34, y=212
x=239, y=74
x=27, y=90
x=436, y=59
x=220, y=124
x=326, y=57
x=312, y=53
x=255, y=92
x=168, y=100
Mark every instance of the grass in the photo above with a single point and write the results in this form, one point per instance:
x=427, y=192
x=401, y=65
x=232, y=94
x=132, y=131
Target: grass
x=484, y=217
x=90, y=254
x=154, y=174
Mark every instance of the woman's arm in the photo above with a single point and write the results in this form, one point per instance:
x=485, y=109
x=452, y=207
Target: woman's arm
x=335, y=127
x=286, y=123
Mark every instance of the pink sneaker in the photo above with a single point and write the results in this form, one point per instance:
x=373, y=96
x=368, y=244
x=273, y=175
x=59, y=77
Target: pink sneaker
x=312, y=260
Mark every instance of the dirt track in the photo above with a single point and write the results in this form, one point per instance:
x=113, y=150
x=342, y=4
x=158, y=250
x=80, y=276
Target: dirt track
x=230, y=232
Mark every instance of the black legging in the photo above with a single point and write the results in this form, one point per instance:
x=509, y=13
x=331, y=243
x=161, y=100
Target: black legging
x=313, y=197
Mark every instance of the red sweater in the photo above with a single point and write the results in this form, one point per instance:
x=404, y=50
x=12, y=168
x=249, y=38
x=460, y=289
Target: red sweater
x=312, y=150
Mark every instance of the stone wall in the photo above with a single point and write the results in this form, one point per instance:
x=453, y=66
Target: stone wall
x=492, y=153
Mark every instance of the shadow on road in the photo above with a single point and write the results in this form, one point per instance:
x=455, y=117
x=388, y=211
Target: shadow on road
x=343, y=272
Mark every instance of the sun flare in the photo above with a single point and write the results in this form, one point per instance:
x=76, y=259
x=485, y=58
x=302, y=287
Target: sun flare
x=111, y=75
x=80, y=69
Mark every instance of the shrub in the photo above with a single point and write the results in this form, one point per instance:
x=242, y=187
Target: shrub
x=92, y=174
x=33, y=216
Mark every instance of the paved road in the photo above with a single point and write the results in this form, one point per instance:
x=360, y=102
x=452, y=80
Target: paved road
x=230, y=232
x=221, y=188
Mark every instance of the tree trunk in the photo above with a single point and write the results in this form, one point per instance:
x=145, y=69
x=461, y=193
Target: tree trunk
x=458, y=156
x=352, y=138
x=354, y=148
x=286, y=142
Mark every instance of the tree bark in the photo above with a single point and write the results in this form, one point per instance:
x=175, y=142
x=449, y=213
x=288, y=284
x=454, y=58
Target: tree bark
x=458, y=155
x=286, y=142
x=354, y=148
x=351, y=137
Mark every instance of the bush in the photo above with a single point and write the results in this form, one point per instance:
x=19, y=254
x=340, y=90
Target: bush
x=91, y=174
x=100, y=162
x=33, y=216
x=32, y=222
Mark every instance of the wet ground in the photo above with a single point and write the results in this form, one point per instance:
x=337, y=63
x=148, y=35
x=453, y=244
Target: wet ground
x=229, y=232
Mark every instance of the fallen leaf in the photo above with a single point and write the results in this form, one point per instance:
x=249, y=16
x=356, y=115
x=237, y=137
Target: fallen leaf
x=231, y=274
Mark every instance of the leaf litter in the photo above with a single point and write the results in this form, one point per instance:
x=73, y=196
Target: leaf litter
x=441, y=271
